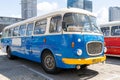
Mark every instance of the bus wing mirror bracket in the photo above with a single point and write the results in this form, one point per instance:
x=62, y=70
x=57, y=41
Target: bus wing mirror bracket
x=64, y=27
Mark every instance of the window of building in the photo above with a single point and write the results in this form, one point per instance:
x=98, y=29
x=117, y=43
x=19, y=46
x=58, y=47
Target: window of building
x=40, y=27
x=22, y=30
x=55, y=24
x=29, y=29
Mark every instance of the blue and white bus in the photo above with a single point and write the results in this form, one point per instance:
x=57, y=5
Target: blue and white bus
x=68, y=38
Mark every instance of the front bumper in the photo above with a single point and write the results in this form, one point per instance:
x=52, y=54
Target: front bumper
x=84, y=61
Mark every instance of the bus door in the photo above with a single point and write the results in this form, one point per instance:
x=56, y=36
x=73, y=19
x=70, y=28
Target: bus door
x=22, y=34
x=29, y=37
x=38, y=39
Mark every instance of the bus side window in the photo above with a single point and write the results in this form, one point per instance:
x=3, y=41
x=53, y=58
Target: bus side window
x=16, y=31
x=10, y=32
x=40, y=27
x=6, y=33
x=115, y=30
x=29, y=29
x=55, y=24
x=22, y=30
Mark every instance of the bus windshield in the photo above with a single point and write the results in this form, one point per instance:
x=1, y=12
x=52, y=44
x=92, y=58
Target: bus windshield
x=95, y=28
x=75, y=22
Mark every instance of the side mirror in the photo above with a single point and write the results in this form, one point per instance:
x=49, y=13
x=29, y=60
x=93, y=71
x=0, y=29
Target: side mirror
x=64, y=27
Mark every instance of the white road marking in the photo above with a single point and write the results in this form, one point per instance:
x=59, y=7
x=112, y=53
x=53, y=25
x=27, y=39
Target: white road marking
x=2, y=53
x=113, y=76
x=2, y=77
x=48, y=78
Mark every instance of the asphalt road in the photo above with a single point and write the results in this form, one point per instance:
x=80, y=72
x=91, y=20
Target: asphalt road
x=21, y=69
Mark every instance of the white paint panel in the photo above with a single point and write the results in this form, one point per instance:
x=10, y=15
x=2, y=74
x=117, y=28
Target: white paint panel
x=16, y=41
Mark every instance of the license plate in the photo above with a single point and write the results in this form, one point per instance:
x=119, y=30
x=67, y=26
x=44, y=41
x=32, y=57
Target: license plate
x=96, y=61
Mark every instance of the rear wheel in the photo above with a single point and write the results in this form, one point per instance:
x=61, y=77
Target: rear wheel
x=48, y=62
x=9, y=55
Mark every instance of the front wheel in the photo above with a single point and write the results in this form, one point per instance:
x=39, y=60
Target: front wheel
x=48, y=63
x=84, y=66
x=9, y=55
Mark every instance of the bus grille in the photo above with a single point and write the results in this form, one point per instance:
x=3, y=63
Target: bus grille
x=94, y=48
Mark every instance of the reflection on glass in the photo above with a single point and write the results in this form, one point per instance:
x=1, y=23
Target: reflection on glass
x=80, y=23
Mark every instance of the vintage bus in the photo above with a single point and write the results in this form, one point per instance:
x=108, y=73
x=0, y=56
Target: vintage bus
x=67, y=38
x=111, y=31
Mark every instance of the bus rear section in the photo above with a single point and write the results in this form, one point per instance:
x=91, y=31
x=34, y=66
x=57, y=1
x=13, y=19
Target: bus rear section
x=111, y=31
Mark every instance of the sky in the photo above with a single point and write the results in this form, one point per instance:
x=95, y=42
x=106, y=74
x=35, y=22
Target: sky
x=12, y=8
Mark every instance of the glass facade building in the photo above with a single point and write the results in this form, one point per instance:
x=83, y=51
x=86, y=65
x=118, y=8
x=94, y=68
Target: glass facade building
x=5, y=21
x=114, y=13
x=88, y=5
x=82, y=4
x=28, y=8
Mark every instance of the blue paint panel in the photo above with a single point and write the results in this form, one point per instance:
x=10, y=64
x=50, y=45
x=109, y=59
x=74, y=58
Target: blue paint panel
x=32, y=46
x=37, y=45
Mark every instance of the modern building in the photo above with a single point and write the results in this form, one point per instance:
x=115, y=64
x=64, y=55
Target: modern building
x=83, y=4
x=114, y=13
x=28, y=8
x=5, y=21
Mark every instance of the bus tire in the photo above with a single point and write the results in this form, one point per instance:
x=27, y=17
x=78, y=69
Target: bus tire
x=48, y=63
x=84, y=66
x=9, y=55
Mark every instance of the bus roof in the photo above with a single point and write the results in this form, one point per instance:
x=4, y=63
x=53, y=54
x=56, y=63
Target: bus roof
x=61, y=11
x=110, y=24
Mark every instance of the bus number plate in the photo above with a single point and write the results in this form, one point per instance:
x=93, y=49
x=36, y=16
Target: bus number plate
x=96, y=61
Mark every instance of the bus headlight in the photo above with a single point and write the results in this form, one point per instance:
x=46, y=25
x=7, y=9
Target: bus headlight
x=79, y=52
x=105, y=49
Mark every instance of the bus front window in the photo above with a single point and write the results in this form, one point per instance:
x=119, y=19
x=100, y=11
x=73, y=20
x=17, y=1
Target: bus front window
x=76, y=22
x=106, y=31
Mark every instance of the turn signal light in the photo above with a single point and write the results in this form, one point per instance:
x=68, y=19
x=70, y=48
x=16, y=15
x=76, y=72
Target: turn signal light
x=104, y=44
x=44, y=40
x=73, y=45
